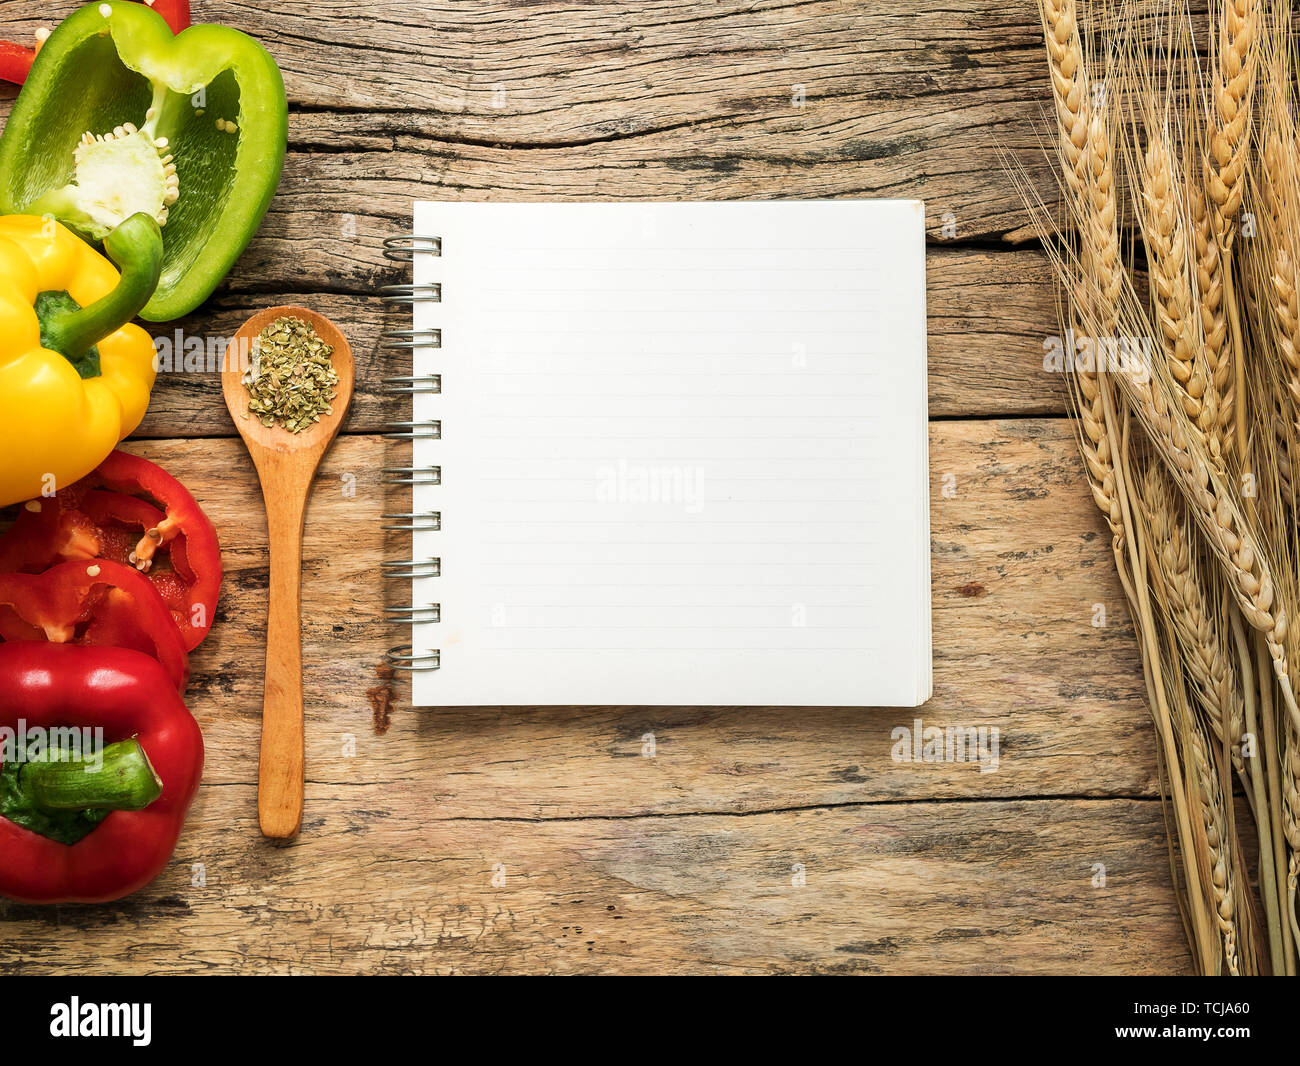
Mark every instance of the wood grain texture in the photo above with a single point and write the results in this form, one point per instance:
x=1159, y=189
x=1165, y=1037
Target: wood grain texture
x=645, y=99
x=680, y=863
x=692, y=848
x=381, y=882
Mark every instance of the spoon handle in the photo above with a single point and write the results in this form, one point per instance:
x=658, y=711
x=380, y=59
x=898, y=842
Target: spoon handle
x=280, y=776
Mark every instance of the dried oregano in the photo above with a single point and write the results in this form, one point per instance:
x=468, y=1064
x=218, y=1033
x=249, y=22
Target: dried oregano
x=291, y=381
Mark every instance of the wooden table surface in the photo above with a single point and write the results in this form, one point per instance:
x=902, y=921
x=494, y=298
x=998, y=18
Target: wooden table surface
x=756, y=840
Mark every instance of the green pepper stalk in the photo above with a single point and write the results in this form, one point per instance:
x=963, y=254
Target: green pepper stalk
x=65, y=799
x=119, y=117
x=136, y=248
x=122, y=780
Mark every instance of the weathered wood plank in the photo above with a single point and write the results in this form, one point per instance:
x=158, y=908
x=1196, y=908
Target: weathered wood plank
x=1018, y=565
x=646, y=99
x=988, y=315
x=383, y=881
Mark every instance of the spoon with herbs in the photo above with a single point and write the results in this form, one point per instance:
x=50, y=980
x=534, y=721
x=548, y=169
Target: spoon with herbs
x=288, y=398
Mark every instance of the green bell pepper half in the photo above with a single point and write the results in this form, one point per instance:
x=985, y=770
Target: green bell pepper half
x=119, y=117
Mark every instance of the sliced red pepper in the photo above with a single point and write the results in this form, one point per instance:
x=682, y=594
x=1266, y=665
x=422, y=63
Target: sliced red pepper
x=15, y=62
x=129, y=511
x=104, y=824
x=97, y=603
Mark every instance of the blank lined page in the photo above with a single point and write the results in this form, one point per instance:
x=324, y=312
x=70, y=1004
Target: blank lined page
x=683, y=454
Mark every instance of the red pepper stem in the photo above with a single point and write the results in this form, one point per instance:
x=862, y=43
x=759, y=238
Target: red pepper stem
x=123, y=779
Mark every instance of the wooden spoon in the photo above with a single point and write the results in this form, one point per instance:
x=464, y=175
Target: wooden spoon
x=286, y=464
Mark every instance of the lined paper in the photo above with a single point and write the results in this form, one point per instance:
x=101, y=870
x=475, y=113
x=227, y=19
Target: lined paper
x=683, y=454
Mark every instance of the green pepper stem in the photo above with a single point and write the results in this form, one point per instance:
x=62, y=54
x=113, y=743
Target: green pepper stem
x=136, y=248
x=124, y=780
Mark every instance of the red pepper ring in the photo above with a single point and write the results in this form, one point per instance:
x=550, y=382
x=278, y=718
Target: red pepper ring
x=118, y=520
x=128, y=696
x=129, y=511
x=185, y=534
x=97, y=603
x=45, y=533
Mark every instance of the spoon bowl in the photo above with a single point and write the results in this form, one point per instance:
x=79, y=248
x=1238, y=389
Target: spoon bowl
x=286, y=466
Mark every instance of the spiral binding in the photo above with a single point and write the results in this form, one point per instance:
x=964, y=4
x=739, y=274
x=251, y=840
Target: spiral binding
x=404, y=249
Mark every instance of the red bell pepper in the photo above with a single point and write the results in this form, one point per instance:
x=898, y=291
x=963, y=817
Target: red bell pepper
x=131, y=511
x=100, y=820
x=93, y=602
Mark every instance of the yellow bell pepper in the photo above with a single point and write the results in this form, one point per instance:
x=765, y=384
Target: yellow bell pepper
x=75, y=375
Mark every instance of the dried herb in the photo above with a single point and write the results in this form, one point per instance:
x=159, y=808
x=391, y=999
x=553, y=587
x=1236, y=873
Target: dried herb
x=291, y=381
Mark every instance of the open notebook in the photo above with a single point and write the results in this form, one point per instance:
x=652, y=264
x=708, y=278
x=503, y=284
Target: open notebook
x=682, y=454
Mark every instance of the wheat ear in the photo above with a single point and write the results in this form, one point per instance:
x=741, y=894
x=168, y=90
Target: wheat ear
x=1071, y=96
x=1236, y=64
x=1291, y=822
x=1208, y=798
x=1172, y=290
x=1195, y=624
x=1215, y=339
x=1236, y=48
x=1275, y=255
x=1226, y=531
x=1069, y=86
